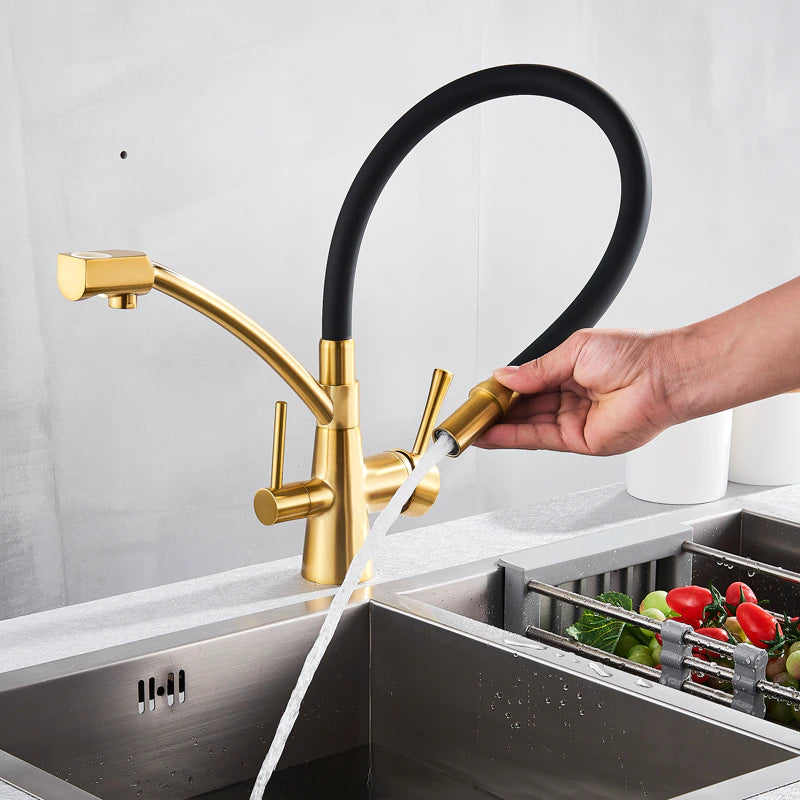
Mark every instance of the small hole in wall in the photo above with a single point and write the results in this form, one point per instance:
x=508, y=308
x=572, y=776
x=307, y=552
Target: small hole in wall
x=123, y=154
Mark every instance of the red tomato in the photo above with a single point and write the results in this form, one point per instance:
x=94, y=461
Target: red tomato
x=693, y=623
x=736, y=590
x=689, y=601
x=720, y=634
x=759, y=625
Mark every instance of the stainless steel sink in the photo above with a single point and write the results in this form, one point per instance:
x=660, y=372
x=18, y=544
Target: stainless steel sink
x=422, y=694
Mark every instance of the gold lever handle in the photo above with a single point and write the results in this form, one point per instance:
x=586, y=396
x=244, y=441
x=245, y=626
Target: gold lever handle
x=440, y=383
x=278, y=445
x=295, y=500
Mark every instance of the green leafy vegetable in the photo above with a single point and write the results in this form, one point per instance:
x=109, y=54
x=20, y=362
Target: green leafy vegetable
x=595, y=630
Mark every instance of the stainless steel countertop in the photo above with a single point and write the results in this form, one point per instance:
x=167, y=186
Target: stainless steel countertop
x=82, y=628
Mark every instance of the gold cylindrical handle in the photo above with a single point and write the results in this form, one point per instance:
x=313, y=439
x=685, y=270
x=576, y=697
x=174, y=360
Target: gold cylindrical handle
x=440, y=383
x=486, y=404
x=278, y=445
x=293, y=501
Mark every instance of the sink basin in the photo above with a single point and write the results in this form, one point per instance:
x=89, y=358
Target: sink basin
x=421, y=695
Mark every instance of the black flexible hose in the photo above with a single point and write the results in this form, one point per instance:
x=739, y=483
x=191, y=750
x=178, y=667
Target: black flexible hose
x=488, y=84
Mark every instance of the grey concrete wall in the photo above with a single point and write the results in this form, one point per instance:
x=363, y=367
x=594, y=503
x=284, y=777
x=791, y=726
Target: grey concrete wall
x=131, y=443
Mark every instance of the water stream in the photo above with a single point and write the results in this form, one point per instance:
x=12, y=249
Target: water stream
x=435, y=453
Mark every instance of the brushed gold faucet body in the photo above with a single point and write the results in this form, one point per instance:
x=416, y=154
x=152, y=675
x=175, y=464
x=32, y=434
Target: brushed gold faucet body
x=344, y=487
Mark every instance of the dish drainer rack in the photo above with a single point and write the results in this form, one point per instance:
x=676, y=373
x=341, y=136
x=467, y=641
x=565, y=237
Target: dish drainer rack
x=547, y=587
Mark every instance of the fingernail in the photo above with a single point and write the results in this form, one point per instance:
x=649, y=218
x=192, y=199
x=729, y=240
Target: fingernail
x=504, y=372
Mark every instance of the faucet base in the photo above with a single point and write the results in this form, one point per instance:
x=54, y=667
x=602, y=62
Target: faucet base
x=336, y=535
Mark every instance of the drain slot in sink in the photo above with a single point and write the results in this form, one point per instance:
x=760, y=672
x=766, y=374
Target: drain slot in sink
x=166, y=690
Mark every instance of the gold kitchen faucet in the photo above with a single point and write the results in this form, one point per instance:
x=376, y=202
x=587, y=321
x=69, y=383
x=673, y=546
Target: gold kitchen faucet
x=344, y=486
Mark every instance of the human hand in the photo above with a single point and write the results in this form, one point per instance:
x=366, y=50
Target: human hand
x=601, y=392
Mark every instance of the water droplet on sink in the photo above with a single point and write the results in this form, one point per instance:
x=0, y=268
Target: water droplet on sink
x=643, y=683
x=598, y=670
x=498, y=695
x=566, y=688
x=562, y=703
x=547, y=700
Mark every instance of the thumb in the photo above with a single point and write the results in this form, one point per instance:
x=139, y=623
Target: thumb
x=545, y=373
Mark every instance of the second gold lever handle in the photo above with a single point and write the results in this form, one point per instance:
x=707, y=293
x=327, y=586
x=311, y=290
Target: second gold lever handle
x=278, y=445
x=294, y=500
x=440, y=383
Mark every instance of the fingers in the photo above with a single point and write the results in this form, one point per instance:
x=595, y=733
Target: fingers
x=542, y=435
x=528, y=406
x=545, y=373
x=552, y=421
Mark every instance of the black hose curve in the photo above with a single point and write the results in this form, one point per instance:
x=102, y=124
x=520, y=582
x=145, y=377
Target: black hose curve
x=515, y=79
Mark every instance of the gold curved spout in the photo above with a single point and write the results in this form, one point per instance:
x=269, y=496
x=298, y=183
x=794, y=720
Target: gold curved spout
x=344, y=487
x=122, y=275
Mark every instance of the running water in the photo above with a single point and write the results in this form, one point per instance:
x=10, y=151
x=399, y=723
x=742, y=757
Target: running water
x=435, y=453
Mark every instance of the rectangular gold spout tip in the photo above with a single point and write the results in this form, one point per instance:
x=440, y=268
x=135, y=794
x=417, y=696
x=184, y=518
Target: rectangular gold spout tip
x=114, y=273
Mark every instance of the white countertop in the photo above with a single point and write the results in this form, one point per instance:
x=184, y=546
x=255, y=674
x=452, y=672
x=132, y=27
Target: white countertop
x=86, y=627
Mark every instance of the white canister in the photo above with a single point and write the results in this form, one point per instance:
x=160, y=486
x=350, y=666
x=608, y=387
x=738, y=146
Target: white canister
x=687, y=463
x=765, y=443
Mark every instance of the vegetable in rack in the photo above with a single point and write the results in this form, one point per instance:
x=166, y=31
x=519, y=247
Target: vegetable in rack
x=734, y=618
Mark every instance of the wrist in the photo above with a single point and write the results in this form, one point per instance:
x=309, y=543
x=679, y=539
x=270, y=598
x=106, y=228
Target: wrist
x=687, y=384
x=705, y=379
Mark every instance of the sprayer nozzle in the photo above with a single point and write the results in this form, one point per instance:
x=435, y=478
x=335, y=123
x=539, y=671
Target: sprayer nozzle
x=487, y=403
